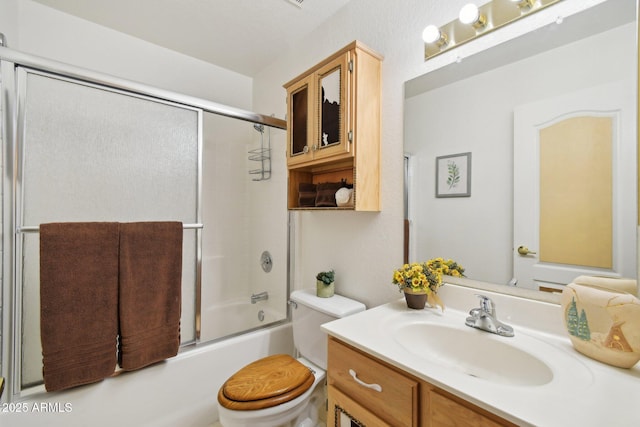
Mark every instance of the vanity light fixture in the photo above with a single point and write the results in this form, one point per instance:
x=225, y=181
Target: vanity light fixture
x=475, y=21
x=524, y=4
x=470, y=15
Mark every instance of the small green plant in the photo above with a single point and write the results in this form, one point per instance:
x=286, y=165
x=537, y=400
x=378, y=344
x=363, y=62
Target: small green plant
x=326, y=277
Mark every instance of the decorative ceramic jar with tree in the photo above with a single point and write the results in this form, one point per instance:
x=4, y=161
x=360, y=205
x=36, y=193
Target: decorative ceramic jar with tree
x=602, y=317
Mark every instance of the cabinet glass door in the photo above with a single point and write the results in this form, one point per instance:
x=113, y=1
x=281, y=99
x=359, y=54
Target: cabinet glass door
x=333, y=127
x=330, y=108
x=300, y=106
x=299, y=128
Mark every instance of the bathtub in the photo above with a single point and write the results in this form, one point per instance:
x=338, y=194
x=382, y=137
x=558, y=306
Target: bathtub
x=178, y=392
x=236, y=316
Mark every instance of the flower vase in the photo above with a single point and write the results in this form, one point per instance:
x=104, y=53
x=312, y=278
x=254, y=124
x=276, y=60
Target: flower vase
x=415, y=300
x=323, y=290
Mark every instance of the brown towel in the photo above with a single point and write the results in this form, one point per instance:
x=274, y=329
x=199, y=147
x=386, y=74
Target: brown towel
x=150, y=292
x=306, y=194
x=78, y=302
x=326, y=194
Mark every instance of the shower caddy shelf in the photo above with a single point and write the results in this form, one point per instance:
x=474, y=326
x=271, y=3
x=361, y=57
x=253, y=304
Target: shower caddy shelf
x=262, y=155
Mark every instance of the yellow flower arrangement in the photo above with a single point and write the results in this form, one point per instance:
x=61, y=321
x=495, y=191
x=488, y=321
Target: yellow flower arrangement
x=426, y=277
x=448, y=267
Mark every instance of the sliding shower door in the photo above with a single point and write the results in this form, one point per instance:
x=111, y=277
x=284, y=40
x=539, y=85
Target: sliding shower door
x=91, y=153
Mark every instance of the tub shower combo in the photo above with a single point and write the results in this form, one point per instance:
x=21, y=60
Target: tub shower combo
x=80, y=146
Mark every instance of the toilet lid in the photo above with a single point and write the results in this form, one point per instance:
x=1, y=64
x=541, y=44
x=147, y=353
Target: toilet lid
x=266, y=382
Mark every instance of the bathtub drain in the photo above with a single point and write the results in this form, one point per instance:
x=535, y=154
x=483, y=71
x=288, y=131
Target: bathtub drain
x=261, y=315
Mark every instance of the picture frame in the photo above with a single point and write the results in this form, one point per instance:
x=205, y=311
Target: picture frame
x=453, y=175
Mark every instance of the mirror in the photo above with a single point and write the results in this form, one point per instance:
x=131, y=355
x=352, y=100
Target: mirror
x=471, y=107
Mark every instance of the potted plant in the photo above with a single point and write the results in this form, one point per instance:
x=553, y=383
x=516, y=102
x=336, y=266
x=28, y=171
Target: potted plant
x=420, y=281
x=325, y=287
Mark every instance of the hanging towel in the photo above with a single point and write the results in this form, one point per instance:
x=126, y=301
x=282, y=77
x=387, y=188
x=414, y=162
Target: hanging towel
x=78, y=302
x=150, y=292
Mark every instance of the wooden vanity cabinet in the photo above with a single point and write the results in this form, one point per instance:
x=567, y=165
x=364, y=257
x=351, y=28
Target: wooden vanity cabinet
x=346, y=412
x=354, y=374
x=368, y=391
x=333, y=125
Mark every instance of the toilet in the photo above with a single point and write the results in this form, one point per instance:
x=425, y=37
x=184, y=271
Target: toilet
x=280, y=390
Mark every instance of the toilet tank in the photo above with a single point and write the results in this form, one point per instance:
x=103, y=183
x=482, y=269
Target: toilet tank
x=309, y=312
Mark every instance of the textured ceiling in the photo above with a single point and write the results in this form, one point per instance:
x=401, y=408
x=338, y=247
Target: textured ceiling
x=240, y=35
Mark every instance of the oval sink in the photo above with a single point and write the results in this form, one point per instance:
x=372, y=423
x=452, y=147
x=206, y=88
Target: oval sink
x=473, y=352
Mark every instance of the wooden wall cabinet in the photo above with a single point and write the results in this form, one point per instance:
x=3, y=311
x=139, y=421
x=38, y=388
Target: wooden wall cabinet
x=368, y=391
x=333, y=126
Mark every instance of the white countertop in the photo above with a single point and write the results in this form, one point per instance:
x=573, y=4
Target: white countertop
x=583, y=392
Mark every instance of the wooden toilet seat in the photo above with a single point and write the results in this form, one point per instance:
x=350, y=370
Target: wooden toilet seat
x=267, y=382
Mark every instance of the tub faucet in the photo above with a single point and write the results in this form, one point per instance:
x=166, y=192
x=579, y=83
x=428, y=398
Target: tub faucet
x=262, y=296
x=484, y=318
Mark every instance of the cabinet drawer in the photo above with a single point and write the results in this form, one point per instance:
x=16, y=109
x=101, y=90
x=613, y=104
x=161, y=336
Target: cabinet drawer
x=391, y=396
x=345, y=412
x=444, y=411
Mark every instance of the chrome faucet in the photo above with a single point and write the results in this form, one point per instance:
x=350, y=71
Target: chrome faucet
x=484, y=318
x=262, y=296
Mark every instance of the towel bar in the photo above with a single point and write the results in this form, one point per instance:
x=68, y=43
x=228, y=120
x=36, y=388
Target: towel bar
x=36, y=229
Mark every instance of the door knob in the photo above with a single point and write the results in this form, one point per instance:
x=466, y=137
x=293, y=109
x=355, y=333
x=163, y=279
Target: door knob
x=523, y=250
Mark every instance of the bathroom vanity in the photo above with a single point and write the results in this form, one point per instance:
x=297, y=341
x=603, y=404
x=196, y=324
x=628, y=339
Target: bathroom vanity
x=368, y=390
x=391, y=365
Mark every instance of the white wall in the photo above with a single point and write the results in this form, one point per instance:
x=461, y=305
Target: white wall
x=364, y=248
x=46, y=32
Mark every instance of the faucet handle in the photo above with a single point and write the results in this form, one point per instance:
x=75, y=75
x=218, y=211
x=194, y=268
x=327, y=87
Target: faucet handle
x=486, y=304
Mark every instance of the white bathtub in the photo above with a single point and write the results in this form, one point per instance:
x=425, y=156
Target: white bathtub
x=235, y=316
x=179, y=392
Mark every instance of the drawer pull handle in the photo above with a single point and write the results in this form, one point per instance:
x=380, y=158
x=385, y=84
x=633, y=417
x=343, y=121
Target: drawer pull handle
x=376, y=387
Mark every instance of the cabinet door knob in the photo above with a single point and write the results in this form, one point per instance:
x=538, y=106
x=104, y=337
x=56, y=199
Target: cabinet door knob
x=305, y=149
x=376, y=387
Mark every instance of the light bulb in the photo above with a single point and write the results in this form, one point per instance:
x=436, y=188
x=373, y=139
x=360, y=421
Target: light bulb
x=469, y=14
x=431, y=34
x=524, y=4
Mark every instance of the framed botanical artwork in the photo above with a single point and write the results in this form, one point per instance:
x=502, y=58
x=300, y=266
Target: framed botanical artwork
x=453, y=175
